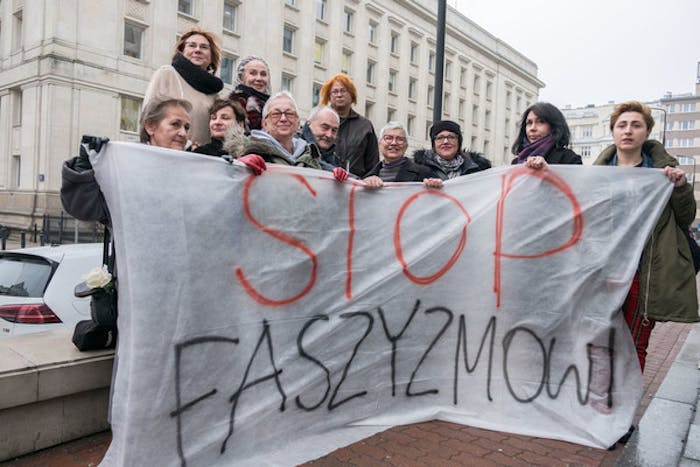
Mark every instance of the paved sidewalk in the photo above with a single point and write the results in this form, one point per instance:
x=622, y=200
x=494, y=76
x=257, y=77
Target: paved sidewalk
x=448, y=444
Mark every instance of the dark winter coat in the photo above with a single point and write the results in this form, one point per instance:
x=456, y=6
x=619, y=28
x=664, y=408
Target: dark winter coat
x=356, y=144
x=473, y=162
x=667, y=288
x=409, y=172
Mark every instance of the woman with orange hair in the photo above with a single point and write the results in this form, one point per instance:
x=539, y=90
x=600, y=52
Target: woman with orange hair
x=357, y=146
x=191, y=77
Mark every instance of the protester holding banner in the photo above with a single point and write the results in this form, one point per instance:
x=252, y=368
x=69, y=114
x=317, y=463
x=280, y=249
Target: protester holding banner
x=321, y=130
x=190, y=76
x=277, y=142
x=664, y=288
x=357, y=144
x=544, y=135
x=395, y=166
x=446, y=159
x=252, y=90
x=222, y=116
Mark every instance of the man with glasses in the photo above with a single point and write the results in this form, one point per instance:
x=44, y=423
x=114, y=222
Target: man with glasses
x=395, y=166
x=446, y=159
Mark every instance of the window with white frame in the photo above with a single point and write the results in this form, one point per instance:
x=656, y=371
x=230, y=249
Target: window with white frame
x=463, y=77
x=509, y=99
x=392, y=80
x=346, y=62
x=487, y=119
x=370, y=71
x=460, y=111
x=412, y=83
x=688, y=107
x=410, y=124
x=373, y=25
x=390, y=114
x=487, y=147
x=16, y=100
x=414, y=53
x=431, y=96
x=319, y=51
x=431, y=62
x=428, y=124
x=230, y=15
x=394, y=43
x=287, y=83
x=316, y=94
x=321, y=6
x=288, y=39
x=585, y=151
x=133, y=39
x=348, y=20
x=228, y=63
x=369, y=110
x=186, y=7
x=129, y=114
x=669, y=125
x=489, y=90
x=446, y=104
x=586, y=131
x=16, y=181
x=669, y=143
x=686, y=124
x=17, y=31
x=476, y=85
x=448, y=70
x=475, y=115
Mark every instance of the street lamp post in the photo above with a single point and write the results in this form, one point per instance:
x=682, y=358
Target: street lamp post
x=439, y=61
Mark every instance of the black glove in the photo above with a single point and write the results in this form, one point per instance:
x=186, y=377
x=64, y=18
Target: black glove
x=88, y=143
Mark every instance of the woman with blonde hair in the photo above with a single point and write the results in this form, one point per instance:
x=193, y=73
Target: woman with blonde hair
x=356, y=142
x=190, y=77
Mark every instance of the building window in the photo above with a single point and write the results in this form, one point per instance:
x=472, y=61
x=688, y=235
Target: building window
x=414, y=53
x=463, y=77
x=669, y=125
x=412, y=82
x=287, y=83
x=319, y=51
x=431, y=96
x=688, y=107
x=17, y=31
x=392, y=80
x=487, y=147
x=477, y=85
x=133, y=39
x=428, y=124
x=346, y=61
x=446, y=104
x=372, y=32
x=185, y=6
x=369, y=109
x=227, y=67
x=321, y=9
x=431, y=61
x=586, y=131
x=509, y=98
x=448, y=70
x=16, y=171
x=16, y=107
x=288, y=39
x=370, y=72
x=410, y=124
x=390, y=114
x=669, y=143
x=316, y=94
x=460, y=111
x=585, y=151
x=489, y=90
x=519, y=104
x=348, y=17
x=291, y=2
x=394, y=43
x=230, y=12
x=475, y=115
x=129, y=116
x=487, y=120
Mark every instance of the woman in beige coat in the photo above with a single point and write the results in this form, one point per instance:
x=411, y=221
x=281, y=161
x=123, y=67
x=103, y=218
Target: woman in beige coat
x=190, y=77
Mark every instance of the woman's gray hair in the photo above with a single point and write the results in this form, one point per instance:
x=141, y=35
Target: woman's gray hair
x=392, y=126
x=156, y=110
x=241, y=68
x=279, y=95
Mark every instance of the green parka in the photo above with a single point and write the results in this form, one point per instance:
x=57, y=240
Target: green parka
x=667, y=288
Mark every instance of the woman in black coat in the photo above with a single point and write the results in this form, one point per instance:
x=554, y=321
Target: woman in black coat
x=544, y=134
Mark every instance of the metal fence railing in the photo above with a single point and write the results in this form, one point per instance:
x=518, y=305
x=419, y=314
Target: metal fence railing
x=53, y=230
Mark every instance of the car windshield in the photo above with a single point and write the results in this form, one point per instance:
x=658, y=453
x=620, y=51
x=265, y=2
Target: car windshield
x=23, y=277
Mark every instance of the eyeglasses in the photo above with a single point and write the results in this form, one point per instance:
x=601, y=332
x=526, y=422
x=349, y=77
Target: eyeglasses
x=392, y=138
x=195, y=45
x=450, y=138
x=276, y=115
x=339, y=92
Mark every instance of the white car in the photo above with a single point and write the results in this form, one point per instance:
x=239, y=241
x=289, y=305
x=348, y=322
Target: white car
x=36, y=287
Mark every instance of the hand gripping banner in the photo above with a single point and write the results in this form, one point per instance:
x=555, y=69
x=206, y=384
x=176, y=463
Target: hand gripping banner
x=270, y=320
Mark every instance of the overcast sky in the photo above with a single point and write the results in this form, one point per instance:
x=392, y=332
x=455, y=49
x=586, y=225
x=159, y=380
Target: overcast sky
x=595, y=51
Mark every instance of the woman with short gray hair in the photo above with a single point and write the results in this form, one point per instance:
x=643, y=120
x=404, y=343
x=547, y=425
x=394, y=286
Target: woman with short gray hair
x=252, y=89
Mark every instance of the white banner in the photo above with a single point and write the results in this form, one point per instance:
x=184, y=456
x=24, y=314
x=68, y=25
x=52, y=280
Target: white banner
x=269, y=320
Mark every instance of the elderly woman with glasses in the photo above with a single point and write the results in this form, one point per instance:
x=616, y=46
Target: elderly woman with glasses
x=395, y=166
x=190, y=77
x=446, y=159
x=357, y=143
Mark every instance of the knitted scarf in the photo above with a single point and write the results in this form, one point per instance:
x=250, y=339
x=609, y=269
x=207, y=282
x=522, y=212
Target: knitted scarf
x=196, y=76
x=538, y=148
x=247, y=91
x=451, y=167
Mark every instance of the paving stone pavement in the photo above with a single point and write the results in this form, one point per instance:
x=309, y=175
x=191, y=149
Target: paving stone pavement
x=434, y=443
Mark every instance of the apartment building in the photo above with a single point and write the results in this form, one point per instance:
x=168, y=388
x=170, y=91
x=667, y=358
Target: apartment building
x=74, y=67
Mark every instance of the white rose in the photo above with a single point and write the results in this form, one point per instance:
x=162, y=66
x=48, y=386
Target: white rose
x=98, y=277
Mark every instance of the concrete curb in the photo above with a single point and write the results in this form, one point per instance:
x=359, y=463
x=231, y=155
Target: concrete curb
x=669, y=432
